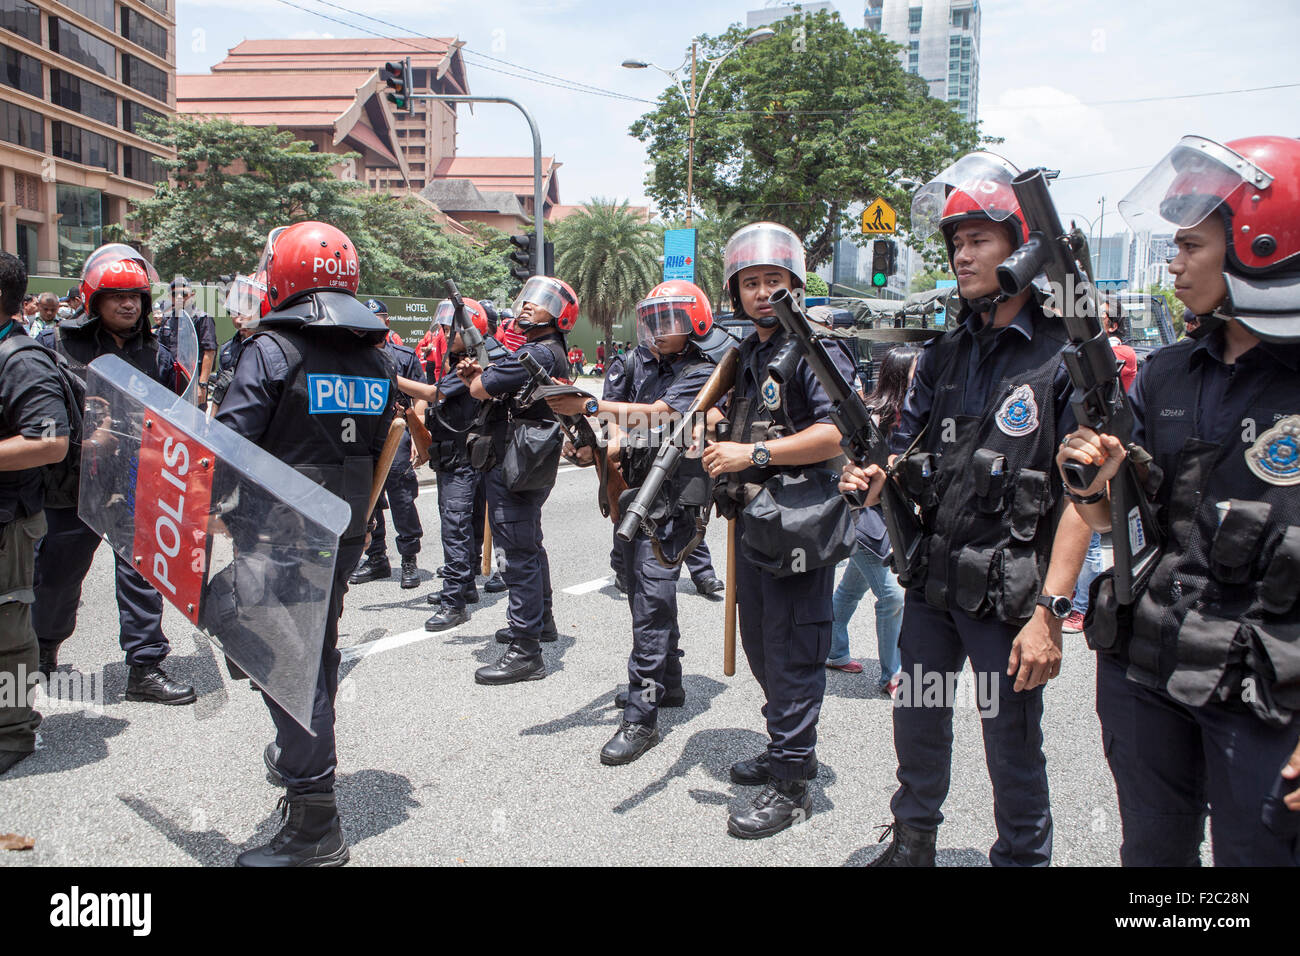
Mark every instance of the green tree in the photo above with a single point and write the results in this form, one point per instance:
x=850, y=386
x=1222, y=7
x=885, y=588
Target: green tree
x=801, y=126
x=817, y=285
x=610, y=256
x=228, y=186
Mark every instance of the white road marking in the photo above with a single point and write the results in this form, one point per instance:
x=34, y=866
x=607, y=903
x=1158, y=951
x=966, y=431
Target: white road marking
x=358, y=651
x=589, y=586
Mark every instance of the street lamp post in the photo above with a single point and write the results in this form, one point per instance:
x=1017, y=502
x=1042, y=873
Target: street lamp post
x=692, y=99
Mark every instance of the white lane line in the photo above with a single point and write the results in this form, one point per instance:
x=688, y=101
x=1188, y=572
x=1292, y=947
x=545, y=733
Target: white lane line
x=357, y=651
x=589, y=586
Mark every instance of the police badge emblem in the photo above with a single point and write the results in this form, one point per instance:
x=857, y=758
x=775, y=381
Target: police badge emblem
x=1019, y=413
x=1275, y=457
x=771, y=394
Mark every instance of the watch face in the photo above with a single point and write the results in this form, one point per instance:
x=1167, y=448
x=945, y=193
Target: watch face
x=761, y=455
x=1060, y=606
x=592, y=406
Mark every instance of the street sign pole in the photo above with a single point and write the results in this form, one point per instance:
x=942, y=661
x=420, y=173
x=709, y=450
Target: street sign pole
x=539, y=253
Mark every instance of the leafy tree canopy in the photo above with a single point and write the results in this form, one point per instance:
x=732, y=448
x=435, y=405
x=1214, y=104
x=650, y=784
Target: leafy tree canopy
x=799, y=127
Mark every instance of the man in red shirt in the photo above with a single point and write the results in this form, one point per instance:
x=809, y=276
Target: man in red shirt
x=1112, y=314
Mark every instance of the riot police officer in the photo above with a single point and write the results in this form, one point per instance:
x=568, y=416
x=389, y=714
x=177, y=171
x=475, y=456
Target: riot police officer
x=785, y=621
x=315, y=329
x=459, y=483
x=546, y=308
x=1197, y=679
x=402, y=487
x=115, y=284
x=988, y=402
x=245, y=301
x=34, y=430
x=664, y=374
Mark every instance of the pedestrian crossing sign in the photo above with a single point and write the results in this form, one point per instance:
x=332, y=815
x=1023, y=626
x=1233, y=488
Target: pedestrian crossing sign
x=879, y=218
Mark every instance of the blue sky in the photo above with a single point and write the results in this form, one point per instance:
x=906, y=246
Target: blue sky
x=1049, y=71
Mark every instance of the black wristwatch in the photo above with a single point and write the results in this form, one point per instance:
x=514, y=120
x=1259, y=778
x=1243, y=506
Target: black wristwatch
x=1058, y=605
x=760, y=456
x=592, y=406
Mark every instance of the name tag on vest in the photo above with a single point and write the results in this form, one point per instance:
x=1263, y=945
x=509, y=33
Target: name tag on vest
x=346, y=395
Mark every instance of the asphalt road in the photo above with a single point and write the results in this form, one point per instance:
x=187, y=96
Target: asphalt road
x=435, y=769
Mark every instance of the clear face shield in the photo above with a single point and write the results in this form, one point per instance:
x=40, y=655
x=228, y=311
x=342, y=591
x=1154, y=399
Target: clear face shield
x=659, y=320
x=245, y=297
x=1192, y=180
x=764, y=244
x=984, y=177
x=542, y=292
x=444, y=314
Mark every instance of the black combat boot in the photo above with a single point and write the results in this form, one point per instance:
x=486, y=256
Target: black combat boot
x=410, y=573
x=150, y=683
x=371, y=569
x=550, y=633
x=911, y=847
x=710, y=586
x=311, y=835
x=753, y=772
x=447, y=618
x=495, y=584
x=780, y=804
x=672, y=697
x=271, y=757
x=522, y=661
x=631, y=741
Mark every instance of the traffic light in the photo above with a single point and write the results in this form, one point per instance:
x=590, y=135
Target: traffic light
x=884, y=260
x=522, y=257
x=397, y=74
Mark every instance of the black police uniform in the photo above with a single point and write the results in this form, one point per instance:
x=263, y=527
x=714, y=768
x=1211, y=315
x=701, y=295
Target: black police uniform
x=270, y=404
x=1208, y=711
x=227, y=358
x=31, y=405
x=516, y=517
x=617, y=387
x=785, y=622
x=654, y=666
x=460, y=490
x=64, y=556
x=402, y=486
x=993, y=403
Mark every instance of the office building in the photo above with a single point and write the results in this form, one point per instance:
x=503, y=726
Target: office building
x=941, y=41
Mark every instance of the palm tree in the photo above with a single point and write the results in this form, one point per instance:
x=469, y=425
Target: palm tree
x=610, y=255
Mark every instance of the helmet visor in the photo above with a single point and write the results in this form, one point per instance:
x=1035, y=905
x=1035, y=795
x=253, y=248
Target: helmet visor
x=544, y=293
x=661, y=317
x=985, y=177
x=245, y=296
x=269, y=248
x=765, y=244
x=445, y=314
x=1187, y=185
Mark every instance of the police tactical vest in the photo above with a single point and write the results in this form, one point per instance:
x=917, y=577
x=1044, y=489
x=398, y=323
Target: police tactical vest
x=336, y=406
x=1218, y=619
x=989, y=490
x=491, y=430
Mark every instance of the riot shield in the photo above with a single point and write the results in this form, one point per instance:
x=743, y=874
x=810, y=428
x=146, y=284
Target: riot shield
x=186, y=358
x=239, y=542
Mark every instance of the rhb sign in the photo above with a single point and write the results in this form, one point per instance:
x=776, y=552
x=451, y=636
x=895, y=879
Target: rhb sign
x=172, y=501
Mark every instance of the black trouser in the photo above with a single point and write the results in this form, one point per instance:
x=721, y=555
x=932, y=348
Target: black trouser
x=699, y=562
x=18, y=657
x=1171, y=762
x=654, y=665
x=785, y=628
x=399, y=494
x=516, y=519
x=462, y=531
x=63, y=559
x=308, y=762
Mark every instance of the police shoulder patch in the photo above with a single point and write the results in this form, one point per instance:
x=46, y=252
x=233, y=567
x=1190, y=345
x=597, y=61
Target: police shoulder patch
x=1275, y=456
x=1018, y=415
x=771, y=394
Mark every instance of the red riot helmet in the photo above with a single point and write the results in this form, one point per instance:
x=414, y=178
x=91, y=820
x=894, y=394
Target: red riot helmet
x=117, y=267
x=675, y=307
x=1254, y=186
x=976, y=187
x=247, y=296
x=308, y=257
x=554, y=295
x=445, y=313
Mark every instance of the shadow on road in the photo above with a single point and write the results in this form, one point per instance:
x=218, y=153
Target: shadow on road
x=68, y=742
x=370, y=803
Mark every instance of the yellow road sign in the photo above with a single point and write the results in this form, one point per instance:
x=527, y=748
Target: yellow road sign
x=879, y=218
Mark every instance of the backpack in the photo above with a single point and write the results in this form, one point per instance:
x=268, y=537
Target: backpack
x=62, y=479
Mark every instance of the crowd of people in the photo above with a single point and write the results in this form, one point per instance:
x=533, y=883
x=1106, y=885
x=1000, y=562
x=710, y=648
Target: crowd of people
x=986, y=430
